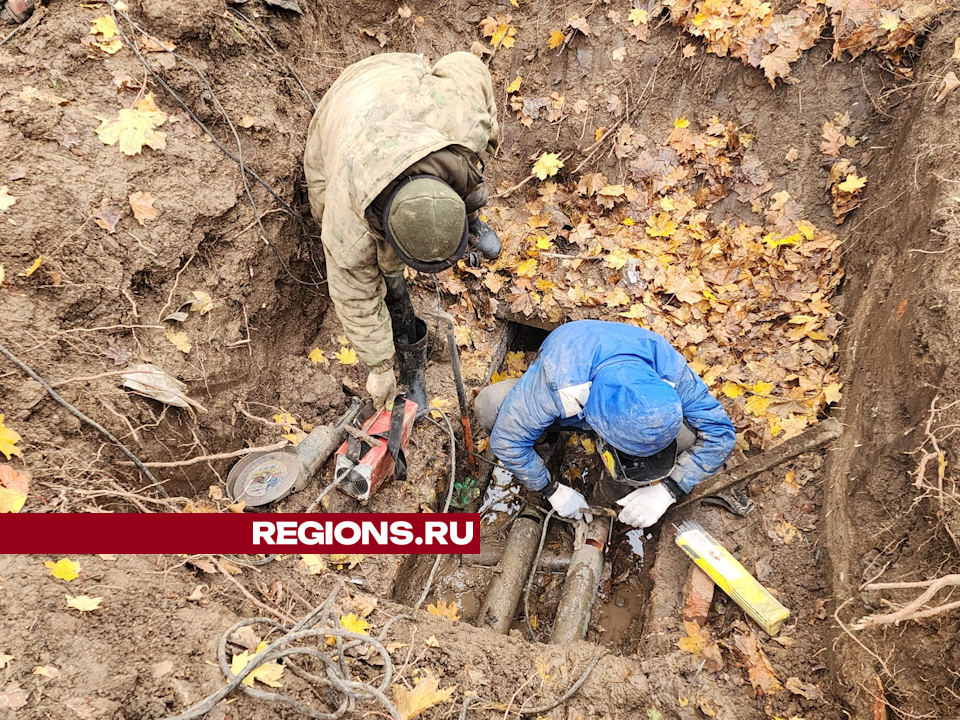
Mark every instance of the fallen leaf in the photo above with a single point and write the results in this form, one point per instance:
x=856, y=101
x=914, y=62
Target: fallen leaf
x=805, y=690
x=792, y=155
x=47, y=671
x=556, y=39
x=107, y=216
x=618, y=54
x=346, y=356
x=314, y=564
x=32, y=269
x=83, y=603
x=6, y=199
x=202, y=302
x=681, y=123
x=354, y=624
x=831, y=393
x=105, y=26
x=852, y=183
x=547, y=165
x=180, y=340
x=142, y=205
x=515, y=85
x=84, y=707
x=432, y=641
x=950, y=83
x=350, y=560
x=638, y=17
x=63, y=569
x=152, y=382
x=14, y=488
x=696, y=640
x=8, y=441
x=437, y=404
x=589, y=446
x=109, y=558
x=759, y=670
x=442, y=609
x=425, y=695
x=134, y=128
x=317, y=357
x=268, y=673
x=689, y=50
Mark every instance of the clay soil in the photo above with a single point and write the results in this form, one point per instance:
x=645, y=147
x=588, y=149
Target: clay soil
x=858, y=513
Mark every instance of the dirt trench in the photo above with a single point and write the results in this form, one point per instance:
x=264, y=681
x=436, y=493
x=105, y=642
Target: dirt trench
x=860, y=515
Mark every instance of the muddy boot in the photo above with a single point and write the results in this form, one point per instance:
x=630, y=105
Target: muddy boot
x=412, y=360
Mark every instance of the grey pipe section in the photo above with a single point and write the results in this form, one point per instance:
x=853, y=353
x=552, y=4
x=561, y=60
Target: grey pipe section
x=500, y=604
x=490, y=555
x=580, y=587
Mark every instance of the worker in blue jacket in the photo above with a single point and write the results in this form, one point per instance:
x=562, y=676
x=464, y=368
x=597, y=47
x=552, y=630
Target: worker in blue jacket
x=659, y=430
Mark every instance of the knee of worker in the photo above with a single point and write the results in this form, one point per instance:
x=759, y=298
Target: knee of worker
x=487, y=404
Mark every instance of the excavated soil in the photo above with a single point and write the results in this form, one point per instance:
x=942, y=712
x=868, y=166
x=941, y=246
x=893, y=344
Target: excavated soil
x=97, y=304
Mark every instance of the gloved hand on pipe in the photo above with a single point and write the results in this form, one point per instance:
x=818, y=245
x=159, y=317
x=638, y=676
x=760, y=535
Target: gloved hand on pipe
x=568, y=502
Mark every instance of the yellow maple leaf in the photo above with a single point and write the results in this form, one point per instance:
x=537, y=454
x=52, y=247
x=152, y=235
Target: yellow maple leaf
x=612, y=190
x=104, y=26
x=889, y=21
x=598, y=134
x=180, y=340
x=697, y=638
x=425, y=694
x=556, y=39
x=772, y=240
x=268, y=673
x=636, y=312
x=831, y=392
x=32, y=269
x=315, y=564
x=757, y=405
x=132, y=129
x=527, y=268
x=110, y=47
x=543, y=242
x=317, y=357
x=438, y=403
x=354, y=624
x=681, y=123
x=515, y=85
x=731, y=389
x=547, y=165
x=616, y=258
x=64, y=569
x=8, y=441
x=350, y=560
x=762, y=388
x=444, y=610
x=806, y=230
x=83, y=603
x=660, y=225
x=516, y=362
x=589, y=446
x=202, y=302
x=346, y=356
x=852, y=183
x=638, y=17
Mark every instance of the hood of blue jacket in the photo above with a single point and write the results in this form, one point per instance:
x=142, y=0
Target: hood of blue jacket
x=632, y=408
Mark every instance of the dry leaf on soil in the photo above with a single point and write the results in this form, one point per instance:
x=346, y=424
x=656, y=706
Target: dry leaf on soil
x=442, y=609
x=317, y=357
x=5, y=660
x=142, y=205
x=425, y=694
x=8, y=441
x=14, y=488
x=346, y=356
x=6, y=199
x=268, y=673
x=37, y=262
x=202, y=302
x=83, y=603
x=134, y=128
x=64, y=569
x=759, y=670
x=547, y=165
x=47, y=671
x=152, y=382
x=107, y=216
x=180, y=340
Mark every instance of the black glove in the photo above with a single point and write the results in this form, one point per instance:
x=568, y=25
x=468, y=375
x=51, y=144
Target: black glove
x=483, y=238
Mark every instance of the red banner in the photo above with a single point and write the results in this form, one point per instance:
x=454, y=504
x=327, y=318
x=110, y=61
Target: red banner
x=240, y=534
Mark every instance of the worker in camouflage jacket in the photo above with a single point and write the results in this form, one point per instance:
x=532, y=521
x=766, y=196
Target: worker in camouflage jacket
x=395, y=178
x=659, y=430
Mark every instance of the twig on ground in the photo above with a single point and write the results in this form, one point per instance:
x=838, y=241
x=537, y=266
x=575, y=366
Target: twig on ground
x=217, y=456
x=246, y=593
x=173, y=290
x=79, y=415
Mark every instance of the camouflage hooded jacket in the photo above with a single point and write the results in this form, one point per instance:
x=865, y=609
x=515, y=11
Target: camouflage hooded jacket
x=382, y=115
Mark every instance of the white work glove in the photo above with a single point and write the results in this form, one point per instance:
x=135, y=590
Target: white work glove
x=569, y=503
x=382, y=387
x=644, y=506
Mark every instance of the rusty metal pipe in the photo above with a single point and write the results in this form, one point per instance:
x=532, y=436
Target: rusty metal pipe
x=580, y=587
x=516, y=562
x=490, y=555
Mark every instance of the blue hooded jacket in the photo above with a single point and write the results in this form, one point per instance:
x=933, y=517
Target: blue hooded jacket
x=626, y=384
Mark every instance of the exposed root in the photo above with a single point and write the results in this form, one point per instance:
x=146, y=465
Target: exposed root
x=915, y=609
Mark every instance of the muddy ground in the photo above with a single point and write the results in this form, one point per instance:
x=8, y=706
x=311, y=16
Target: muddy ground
x=857, y=511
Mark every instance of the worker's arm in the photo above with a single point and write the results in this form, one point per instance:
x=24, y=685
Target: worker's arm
x=357, y=289
x=715, y=434
x=528, y=410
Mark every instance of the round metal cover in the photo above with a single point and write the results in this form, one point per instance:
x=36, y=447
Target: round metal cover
x=263, y=478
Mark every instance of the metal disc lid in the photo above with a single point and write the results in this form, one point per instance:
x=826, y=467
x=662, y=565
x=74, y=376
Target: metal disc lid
x=263, y=478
